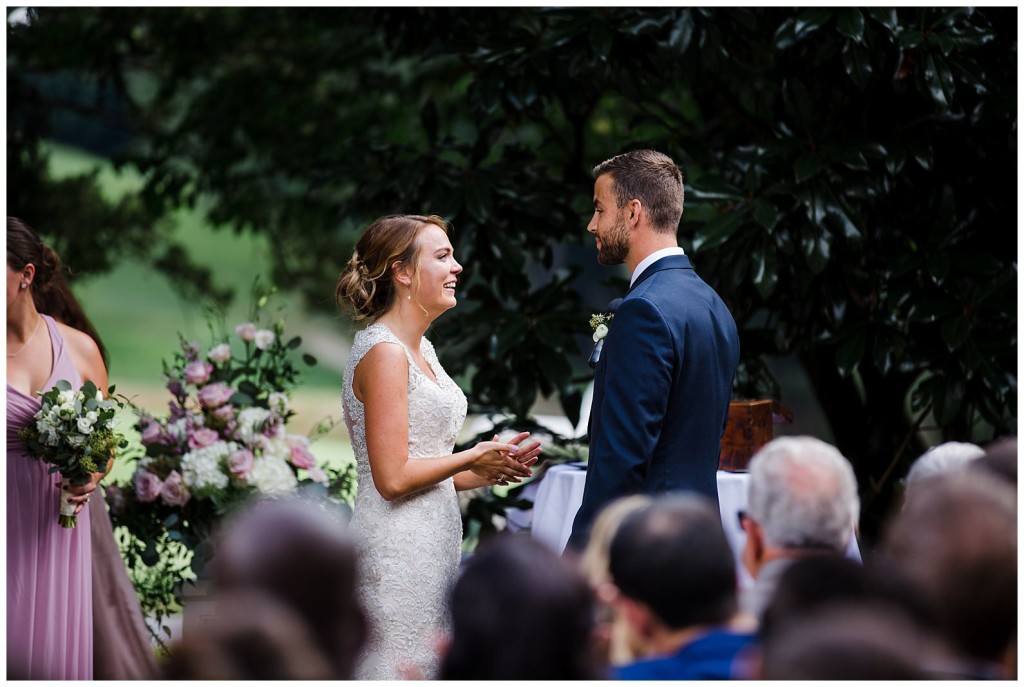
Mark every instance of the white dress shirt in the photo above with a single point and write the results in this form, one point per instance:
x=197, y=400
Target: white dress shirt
x=652, y=258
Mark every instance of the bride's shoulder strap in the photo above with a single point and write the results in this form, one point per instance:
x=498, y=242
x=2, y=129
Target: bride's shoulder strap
x=366, y=339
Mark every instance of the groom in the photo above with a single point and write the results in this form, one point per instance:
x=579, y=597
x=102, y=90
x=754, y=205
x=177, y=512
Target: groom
x=663, y=381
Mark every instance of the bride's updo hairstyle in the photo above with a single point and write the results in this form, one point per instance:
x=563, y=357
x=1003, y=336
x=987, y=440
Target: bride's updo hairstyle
x=367, y=284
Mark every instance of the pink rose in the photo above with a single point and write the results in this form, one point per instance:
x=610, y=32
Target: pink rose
x=225, y=414
x=204, y=436
x=300, y=456
x=150, y=432
x=147, y=486
x=246, y=332
x=240, y=463
x=198, y=371
x=174, y=492
x=215, y=395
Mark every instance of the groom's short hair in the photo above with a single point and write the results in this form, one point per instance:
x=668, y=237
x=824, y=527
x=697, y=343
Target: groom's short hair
x=653, y=179
x=673, y=556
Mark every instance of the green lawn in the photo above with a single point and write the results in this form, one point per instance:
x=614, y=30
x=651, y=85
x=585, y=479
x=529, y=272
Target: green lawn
x=139, y=315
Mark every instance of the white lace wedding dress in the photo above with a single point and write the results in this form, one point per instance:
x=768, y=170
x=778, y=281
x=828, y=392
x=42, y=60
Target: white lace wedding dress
x=409, y=547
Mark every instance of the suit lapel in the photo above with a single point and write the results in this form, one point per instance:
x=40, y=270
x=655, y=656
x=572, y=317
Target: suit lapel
x=670, y=262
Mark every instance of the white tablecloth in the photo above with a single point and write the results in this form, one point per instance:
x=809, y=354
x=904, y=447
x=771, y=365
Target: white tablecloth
x=561, y=493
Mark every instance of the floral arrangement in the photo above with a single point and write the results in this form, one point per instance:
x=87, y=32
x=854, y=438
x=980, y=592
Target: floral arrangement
x=74, y=433
x=224, y=441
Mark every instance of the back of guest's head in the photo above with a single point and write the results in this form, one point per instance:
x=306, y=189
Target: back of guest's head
x=250, y=637
x=298, y=554
x=653, y=179
x=520, y=612
x=947, y=457
x=803, y=493
x=366, y=285
x=673, y=556
x=50, y=292
x=1000, y=459
x=594, y=561
x=846, y=641
x=811, y=583
x=956, y=541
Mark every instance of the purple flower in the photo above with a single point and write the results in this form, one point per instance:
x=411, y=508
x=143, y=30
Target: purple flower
x=191, y=349
x=174, y=492
x=147, y=486
x=240, y=463
x=197, y=372
x=201, y=437
x=300, y=456
x=176, y=388
x=215, y=395
x=177, y=412
x=150, y=431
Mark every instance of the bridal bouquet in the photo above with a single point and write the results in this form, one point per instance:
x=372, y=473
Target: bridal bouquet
x=74, y=433
x=224, y=441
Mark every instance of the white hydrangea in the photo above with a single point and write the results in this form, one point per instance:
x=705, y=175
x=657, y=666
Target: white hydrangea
x=201, y=468
x=249, y=422
x=272, y=475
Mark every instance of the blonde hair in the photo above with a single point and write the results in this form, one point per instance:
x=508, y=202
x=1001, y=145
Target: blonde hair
x=366, y=285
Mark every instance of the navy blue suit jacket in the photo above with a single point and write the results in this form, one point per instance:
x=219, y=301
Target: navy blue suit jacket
x=661, y=391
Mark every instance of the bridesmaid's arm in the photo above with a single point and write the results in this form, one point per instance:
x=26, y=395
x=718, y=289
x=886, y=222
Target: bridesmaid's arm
x=381, y=382
x=85, y=355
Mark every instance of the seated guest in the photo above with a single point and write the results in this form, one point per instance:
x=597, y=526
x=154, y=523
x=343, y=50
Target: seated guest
x=948, y=457
x=251, y=637
x=956, y=541
x=1000, y=459
x=519, y=611
x=801, y=501
x=676, y=579
x=850, y=640
x=297, y=554
x=612, y=631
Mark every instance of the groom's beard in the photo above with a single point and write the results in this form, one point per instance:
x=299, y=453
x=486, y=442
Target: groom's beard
x=614, y=245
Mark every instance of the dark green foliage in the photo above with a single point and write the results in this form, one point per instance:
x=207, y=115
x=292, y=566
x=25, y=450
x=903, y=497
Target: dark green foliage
x=851, y=176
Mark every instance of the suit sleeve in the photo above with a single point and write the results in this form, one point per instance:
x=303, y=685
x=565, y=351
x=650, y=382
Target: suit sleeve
x=640, y=356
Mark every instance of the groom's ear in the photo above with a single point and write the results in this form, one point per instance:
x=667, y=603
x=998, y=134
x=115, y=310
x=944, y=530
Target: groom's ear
x=635, y=207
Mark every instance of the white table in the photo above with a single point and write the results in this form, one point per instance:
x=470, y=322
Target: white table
x=561, y=493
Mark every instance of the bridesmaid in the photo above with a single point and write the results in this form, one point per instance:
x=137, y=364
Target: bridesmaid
x=50, y=605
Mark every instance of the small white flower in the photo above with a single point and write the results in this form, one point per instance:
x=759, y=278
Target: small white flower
x=91, y=416
x=66, y=411
x=600, y=332
x=84, y=426
x=220, y=353
x=263, y=339
x=68, y=398
x=278, y=402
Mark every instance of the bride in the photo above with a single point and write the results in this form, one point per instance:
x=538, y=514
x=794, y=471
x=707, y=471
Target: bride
x=403, y=414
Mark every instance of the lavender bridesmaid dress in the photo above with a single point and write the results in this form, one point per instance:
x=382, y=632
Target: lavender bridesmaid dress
x=49, y=569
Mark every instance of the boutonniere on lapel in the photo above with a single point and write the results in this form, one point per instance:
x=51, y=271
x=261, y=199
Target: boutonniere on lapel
x=599, y=323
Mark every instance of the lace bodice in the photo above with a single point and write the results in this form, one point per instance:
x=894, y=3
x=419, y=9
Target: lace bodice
x=409, y=546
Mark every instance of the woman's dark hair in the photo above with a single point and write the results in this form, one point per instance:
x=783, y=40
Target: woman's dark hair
x=50, y=291
x=521, y=612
